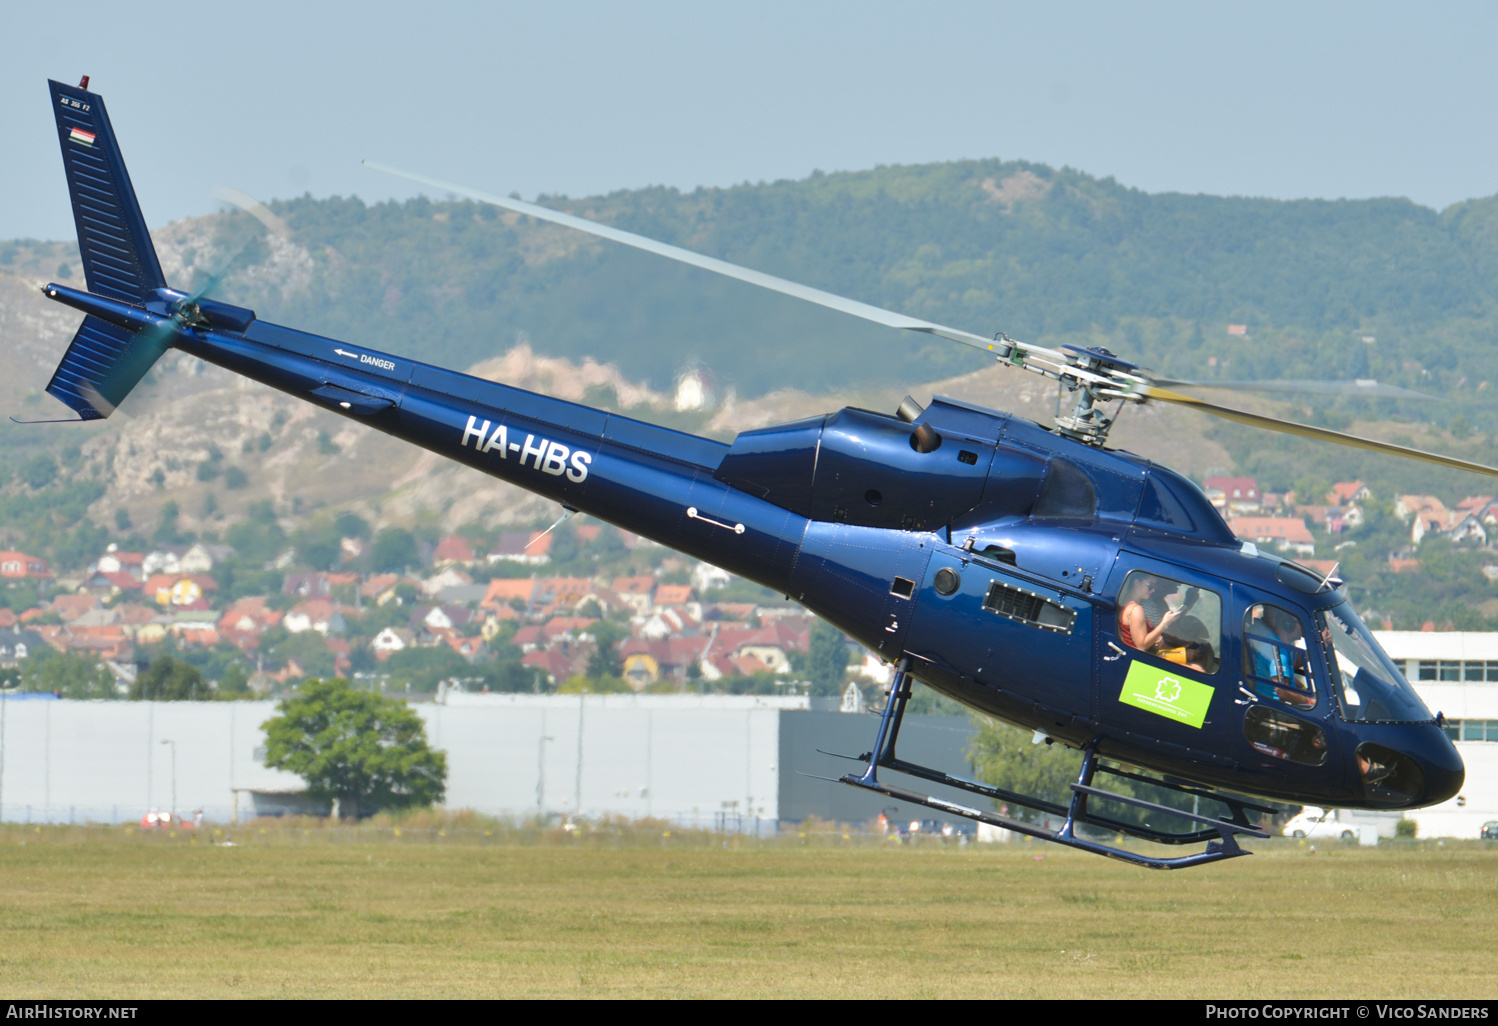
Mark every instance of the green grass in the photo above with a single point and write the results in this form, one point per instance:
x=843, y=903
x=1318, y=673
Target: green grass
x=454, y=911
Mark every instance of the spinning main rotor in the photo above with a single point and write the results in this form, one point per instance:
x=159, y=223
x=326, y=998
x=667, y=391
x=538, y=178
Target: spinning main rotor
x=1095, y=373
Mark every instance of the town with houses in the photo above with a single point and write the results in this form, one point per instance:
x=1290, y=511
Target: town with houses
x=1285, y=523
x=472, y=618
x=500, y=615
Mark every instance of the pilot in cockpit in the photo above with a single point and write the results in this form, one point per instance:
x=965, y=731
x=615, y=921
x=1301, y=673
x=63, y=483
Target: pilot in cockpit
x=1282, y=670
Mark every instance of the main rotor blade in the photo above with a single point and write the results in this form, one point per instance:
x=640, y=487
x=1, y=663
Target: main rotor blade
x=767, y=281
x=250, y=205
x=1359, y=386
x=1322, y=434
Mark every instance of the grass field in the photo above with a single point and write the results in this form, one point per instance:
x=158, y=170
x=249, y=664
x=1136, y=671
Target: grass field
x=459, y=912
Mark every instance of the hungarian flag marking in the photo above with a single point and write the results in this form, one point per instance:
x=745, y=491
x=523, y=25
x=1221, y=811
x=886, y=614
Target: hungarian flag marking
x=78, y=135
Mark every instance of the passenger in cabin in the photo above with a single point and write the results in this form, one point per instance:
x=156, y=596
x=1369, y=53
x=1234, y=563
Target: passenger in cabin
x=1188, y=642
x=1135, y=627
x=1200, y=657
x=1282, y=669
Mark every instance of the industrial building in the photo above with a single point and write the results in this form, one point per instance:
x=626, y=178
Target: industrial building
x=1456, y=674
x=731, y=762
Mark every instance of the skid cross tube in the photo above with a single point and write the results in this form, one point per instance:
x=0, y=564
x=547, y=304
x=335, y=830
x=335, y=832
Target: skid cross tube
x=1220, y=835
x=1093, y=818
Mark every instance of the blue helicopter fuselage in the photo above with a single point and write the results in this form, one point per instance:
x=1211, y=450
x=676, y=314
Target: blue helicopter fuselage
x=984, y=552
x=993, y=559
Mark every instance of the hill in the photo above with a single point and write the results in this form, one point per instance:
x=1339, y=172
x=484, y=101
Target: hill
x=1376, y=288
x=1048, y=256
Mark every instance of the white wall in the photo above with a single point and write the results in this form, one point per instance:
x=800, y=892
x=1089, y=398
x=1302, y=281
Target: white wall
x=678, y=759
x=1450, y=819
x=638, y=758
x=104, y=761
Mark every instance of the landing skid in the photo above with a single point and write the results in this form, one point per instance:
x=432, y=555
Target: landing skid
x=1220, y=835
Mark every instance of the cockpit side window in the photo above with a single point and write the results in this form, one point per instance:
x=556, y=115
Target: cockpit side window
x=1177, y=622
x=1369, y=685
x=1276, y=660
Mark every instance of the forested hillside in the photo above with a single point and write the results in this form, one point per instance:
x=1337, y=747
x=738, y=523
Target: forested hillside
x=1378, y=288
x=1326, y=289
x=1046, y=255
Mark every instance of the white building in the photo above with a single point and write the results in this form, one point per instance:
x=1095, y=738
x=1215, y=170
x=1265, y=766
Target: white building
x=737, y=762
x=1456, y=673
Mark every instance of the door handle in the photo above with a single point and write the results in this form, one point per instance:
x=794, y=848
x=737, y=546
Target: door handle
x=1119, y=654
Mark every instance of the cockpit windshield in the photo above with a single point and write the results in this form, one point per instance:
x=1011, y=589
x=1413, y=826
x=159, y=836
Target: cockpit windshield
x=1370, y=686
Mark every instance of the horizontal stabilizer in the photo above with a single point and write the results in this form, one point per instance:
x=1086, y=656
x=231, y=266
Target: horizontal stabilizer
x=104, y=362
x=119, y=260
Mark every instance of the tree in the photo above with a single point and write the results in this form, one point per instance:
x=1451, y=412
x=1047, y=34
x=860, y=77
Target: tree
x=351, y=525
x=564, y=545
x=167, y=532
x=594, y=686
x=827, y=660
x=422, y=667
x=39, y=471
x=308, y=648
x=69, y=674
x=1005, y=757
x=1008, y=757
x=258, y=538
x=319, y=546
x=394, y=549
x=169, y=680
x=605, y=661
x=367, y=752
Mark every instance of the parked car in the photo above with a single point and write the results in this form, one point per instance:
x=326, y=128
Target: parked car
x=1490, y=831
x=960, y=832
x=164, y=821
x=1340, y=823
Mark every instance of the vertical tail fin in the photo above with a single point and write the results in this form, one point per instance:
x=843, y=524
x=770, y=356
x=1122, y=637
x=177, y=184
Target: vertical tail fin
x=104, y=361
x=118, y=258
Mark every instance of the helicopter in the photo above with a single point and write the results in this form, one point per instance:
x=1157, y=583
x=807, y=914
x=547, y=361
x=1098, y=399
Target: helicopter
x=1028, y=571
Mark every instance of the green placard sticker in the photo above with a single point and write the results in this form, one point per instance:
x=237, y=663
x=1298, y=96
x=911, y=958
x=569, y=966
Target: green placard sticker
x=1166, y=693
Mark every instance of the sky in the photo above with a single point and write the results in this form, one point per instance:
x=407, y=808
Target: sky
x=1283, y=100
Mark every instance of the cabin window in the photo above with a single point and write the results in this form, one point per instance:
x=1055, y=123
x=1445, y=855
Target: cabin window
x=1284, y=737
x=1028, y=608
x=1177, y=622
x=1067, y=493
x=1276, y=660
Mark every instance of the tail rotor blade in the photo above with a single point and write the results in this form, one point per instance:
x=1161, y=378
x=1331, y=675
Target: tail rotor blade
x=1322, y=434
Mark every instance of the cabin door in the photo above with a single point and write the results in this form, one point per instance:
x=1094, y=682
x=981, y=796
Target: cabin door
x=1162, y=670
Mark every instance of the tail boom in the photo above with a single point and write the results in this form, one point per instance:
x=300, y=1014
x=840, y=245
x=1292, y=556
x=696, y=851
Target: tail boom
x=647, y=479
